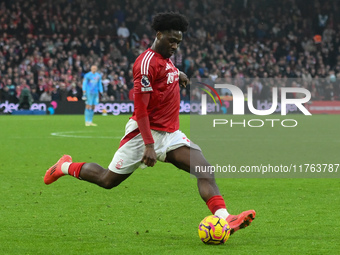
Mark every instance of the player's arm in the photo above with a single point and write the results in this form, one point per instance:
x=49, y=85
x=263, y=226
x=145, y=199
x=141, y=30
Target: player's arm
x=143, y=77
x=84, y=87
x=141, y=104
x=100, y=85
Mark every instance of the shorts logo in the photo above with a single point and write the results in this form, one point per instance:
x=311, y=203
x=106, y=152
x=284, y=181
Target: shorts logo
x=119, y=164
x=184, y=138
x=145, y=84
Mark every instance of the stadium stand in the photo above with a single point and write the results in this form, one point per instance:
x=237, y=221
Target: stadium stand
x=47, y=46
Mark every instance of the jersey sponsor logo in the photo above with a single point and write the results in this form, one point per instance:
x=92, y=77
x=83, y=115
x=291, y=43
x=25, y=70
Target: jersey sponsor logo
x=167, y=67
x=145, y=83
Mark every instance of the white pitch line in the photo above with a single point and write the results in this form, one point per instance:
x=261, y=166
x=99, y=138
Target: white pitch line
x=73, y=134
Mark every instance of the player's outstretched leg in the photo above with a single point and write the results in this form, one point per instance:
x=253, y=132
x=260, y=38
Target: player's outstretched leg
x=242, y=220
x=207, y=186
x=90, y=172
x=55, y=172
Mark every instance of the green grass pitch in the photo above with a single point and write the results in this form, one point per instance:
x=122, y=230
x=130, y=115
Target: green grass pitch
x=157, y=210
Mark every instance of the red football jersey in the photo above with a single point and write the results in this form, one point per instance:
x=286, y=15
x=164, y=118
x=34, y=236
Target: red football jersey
x=158, y=76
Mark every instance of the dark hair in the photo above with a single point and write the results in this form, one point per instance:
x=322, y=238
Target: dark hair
x=170, y=21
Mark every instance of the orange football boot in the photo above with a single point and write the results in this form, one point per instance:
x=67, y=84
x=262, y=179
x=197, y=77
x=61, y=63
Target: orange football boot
x=241, y=220
x=54, y=172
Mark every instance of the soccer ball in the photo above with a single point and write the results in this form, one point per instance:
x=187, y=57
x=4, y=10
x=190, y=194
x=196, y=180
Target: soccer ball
x=213, y=230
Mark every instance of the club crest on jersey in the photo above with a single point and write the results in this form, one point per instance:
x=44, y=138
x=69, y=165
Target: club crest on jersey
x=145, y=84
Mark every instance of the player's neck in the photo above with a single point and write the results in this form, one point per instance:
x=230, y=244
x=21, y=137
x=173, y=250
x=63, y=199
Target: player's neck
x=155, y=48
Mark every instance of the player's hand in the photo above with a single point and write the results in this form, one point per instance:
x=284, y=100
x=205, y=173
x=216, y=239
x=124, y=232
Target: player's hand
x=183, y=79
x=84, y=98
x=149, y=157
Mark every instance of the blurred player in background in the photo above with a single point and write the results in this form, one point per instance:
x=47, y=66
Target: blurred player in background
x=152, y=133
x=92, y=86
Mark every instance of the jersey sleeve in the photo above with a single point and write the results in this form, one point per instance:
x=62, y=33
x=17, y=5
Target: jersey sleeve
x=142, y=118
x=100, y=84
x=144, y=72
x=85, y=83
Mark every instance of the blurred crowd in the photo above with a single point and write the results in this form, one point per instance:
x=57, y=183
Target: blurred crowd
x=48, y=46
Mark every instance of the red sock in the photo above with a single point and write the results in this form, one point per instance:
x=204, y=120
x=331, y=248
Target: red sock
x=216, y=202
x=74, y=169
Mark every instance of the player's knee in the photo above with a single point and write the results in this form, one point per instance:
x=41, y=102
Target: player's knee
x=206, y=179
x=109, y=184
x=109, y=179
x=203, y=175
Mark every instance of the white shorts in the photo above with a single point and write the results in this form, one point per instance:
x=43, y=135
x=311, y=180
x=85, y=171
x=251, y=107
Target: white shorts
x=129, y=155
